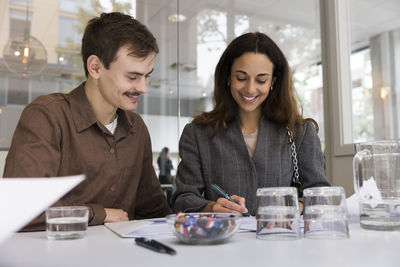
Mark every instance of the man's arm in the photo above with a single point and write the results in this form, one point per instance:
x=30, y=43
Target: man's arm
x=150, y=200
x=36, y=152
x=35, y=147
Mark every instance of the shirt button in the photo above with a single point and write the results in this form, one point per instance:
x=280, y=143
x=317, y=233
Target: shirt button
x=112, y=150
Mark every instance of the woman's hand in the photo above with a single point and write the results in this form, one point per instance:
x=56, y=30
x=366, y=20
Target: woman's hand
x=226, y=206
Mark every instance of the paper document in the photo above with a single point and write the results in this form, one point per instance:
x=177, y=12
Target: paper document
x=159, y=228
x=248, y=224
x=369, y=193
x=142, y=228
x=22, y=199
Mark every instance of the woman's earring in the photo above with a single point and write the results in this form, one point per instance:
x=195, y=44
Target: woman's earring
x=229, y=84
x=271, y=88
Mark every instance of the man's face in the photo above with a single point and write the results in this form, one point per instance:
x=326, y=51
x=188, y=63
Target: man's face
x=126, y=79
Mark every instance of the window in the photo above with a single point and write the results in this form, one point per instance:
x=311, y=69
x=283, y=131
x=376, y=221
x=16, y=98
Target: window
x=363, y=124
x=211, y=42
x=300, y=41
x=375, y=45
x=18, y=23
x=67, y=32
x=182, y=83
x=72, y=6
x=21, y=2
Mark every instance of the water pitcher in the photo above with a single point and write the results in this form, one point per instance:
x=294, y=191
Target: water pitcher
x=376, y=168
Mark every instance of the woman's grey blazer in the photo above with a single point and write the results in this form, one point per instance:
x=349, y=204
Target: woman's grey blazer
x=225, y=161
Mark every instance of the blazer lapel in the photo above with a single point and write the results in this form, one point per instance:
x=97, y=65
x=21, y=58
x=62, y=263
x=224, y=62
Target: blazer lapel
x=267, y=156
x=249, y=186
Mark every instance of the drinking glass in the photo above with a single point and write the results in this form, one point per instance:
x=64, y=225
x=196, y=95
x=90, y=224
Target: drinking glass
x=278, y=215
x=325, y=213
x=69, y=222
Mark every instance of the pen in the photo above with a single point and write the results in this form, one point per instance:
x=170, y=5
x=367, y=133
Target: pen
x=154, y=245
x=221, y=192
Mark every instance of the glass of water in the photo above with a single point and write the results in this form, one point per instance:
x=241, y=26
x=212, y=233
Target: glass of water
x=278, y=215
x=325, y=213
x=69, y=222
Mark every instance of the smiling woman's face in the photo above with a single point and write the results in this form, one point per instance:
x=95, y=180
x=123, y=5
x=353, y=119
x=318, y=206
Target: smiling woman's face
x=251, y=79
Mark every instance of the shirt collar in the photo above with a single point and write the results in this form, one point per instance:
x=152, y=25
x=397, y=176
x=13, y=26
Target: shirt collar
x=126, y=124
x=82, y=112
x=83, y=115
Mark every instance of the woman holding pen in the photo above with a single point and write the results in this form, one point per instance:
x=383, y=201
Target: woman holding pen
x=246, y=141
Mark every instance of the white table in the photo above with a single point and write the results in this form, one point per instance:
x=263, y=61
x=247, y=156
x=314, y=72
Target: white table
x=102, y=247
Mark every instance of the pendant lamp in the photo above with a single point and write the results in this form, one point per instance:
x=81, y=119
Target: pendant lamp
x=25, y=54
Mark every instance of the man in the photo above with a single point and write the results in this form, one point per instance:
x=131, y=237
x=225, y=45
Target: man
x=92, y=130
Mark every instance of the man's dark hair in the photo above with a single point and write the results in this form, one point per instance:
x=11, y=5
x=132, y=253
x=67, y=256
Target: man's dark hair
x=106, y=34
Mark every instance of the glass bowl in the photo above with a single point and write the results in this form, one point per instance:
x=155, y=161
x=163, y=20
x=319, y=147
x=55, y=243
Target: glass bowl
x=204, y=228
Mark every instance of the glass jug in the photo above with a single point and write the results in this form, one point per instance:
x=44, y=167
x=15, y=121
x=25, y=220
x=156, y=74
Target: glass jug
x=376, y=167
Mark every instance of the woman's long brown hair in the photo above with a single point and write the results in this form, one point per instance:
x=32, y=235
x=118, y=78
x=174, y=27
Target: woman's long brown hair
x=280, y=106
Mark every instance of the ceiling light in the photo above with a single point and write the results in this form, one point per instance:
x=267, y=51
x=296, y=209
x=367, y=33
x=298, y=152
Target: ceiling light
x=25, y=55
x=177, y=18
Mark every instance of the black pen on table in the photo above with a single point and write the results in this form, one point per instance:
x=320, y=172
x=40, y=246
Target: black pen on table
x=221, y=193
x=154, y=245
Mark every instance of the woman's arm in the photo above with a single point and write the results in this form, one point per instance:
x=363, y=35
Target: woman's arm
x=310, y=158
x=189, y=178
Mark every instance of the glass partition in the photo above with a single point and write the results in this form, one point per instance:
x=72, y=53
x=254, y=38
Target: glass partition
x=191, y=36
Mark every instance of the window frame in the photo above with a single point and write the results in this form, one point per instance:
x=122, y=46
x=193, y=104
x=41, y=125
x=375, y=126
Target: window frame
x=335, y=37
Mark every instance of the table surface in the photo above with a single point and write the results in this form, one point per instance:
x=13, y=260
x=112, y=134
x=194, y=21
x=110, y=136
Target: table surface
x=102, y=247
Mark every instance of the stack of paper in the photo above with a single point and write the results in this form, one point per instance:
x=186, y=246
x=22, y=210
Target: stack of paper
x=159, y=228
x=142, y=228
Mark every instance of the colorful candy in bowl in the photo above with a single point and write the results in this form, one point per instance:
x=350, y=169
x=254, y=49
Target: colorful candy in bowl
x=204, y=228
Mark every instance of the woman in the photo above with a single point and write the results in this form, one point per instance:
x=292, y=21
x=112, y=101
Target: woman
x=243, y=143
x=165, y=166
